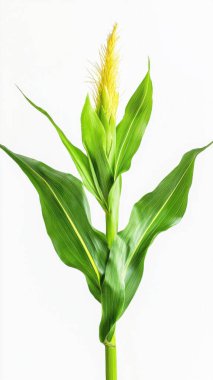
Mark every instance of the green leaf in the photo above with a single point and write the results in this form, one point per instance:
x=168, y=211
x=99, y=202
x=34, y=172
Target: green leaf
x=130, y=130
x=67, y=218
x=155, y=212
x=79, y=158
x=94, y=140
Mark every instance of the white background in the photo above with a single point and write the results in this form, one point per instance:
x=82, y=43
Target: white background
x=49, y=321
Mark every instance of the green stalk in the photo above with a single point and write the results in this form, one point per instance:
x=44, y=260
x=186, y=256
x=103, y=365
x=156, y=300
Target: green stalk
x=111, y=228
x=111, y=360
x=110, y=347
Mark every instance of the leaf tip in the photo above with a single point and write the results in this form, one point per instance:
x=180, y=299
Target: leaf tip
x=87, y=102
x=18, y=88
x=148, y=64
x=209, y=144
x=206, y=146
x=22, y=93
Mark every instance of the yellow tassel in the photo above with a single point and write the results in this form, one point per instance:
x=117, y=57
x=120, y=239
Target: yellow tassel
x=105, y=92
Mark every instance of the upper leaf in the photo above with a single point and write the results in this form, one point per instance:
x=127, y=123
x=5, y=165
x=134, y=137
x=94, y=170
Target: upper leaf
x=80, y=160
x=94, y=140
x=155, y=212
x=132, y=127
x=67, y=218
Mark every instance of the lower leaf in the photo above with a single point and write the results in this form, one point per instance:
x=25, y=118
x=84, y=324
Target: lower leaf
x=67, y=218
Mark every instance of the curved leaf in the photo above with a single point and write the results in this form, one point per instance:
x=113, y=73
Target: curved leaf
x=67, y=218
x=79, y=158
x=155, y=212
x=130, y=130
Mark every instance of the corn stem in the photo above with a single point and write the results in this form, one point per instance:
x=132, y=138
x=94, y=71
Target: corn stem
x=111, y=360
x=110, y=347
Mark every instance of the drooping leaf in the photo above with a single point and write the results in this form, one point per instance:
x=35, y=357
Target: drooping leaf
x=133, y=125
x=155, y=212
x=67, y=218
x=79, y=158
x=94, y=140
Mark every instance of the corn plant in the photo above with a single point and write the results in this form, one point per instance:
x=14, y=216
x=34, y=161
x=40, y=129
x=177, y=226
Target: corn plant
x=112, y=262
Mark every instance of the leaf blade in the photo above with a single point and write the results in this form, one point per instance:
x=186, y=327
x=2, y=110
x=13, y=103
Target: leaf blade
x=66, y=214
x=155, y=212
x=94, y=141
x=79, y=158
x=130, y=130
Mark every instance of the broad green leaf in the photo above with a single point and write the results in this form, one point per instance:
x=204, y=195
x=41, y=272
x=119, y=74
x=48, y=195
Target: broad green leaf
x=79, y=158
x=133, y=125
x=94, y=140
x=155, y=212
x=67, y=218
